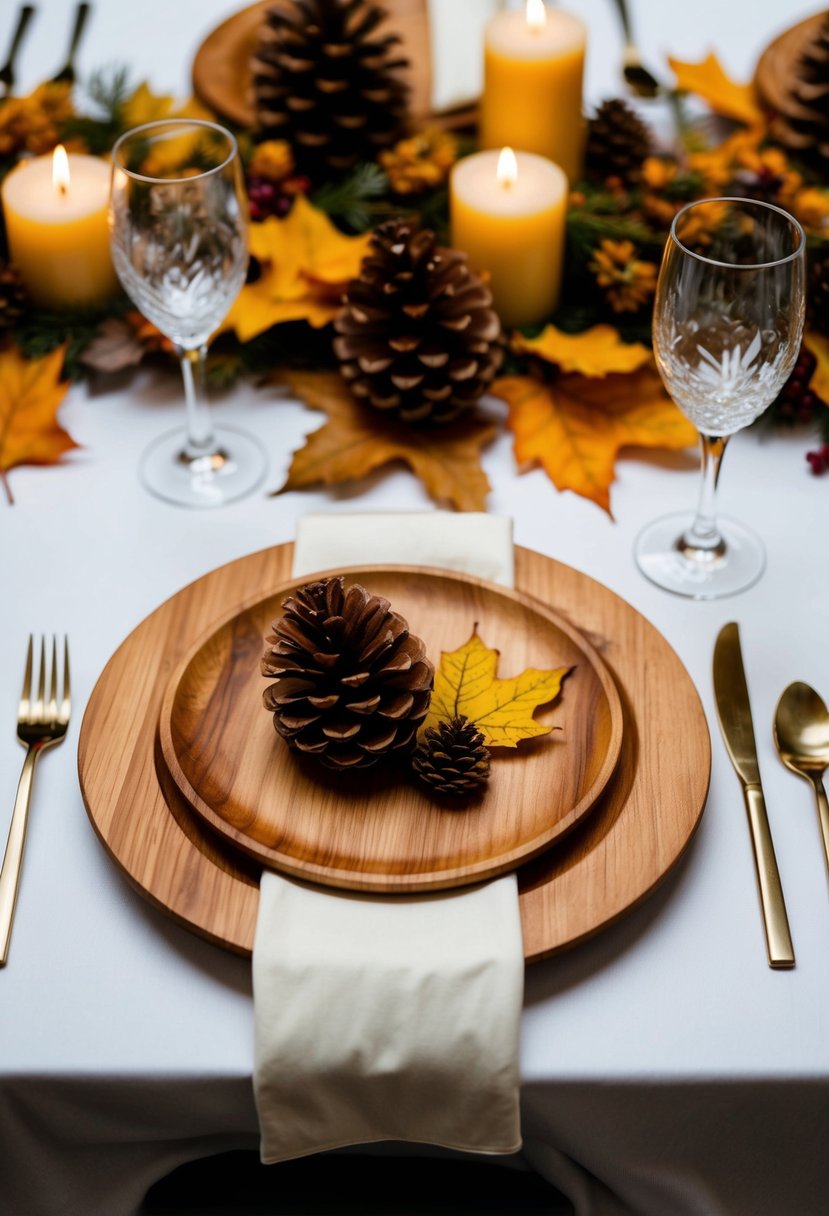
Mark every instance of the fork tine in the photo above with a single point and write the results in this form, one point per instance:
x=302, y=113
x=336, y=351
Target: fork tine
x=66, y=704
x=26, y=694
x=37, y=710
x=53, y=683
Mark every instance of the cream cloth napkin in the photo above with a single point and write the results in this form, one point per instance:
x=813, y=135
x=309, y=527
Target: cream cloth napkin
x=385, y=1017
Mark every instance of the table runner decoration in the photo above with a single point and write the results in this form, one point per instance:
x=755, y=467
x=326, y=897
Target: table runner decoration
x=389, y=1018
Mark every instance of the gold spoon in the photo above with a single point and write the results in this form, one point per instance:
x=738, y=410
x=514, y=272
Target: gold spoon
x=637, y=77
x=801, y=733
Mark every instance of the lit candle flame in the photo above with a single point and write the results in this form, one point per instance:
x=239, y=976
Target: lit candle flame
x=507, y=170
x=60, y=170
x=536, y=15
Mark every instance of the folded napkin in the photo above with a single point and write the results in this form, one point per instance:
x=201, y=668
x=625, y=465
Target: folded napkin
x=389, y=1017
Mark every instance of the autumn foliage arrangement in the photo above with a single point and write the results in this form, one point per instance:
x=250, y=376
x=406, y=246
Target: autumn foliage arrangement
x=408, y=358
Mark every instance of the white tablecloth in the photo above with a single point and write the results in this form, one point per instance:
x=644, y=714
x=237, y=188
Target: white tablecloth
x=666, y=1069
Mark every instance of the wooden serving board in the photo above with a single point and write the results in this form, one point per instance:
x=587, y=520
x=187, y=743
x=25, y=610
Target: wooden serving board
x=380, y=830
x=223, y=78
x=610, y=861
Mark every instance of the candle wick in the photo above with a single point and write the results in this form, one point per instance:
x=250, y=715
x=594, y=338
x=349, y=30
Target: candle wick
x=62, y=189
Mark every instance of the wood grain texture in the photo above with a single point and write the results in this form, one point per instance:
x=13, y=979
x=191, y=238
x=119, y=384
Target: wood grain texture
x=775, y=71
x=380, y=830
x=610, y=862
x=222, y=76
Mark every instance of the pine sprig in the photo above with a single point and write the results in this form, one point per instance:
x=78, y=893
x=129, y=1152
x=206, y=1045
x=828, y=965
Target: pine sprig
x=350, y=200
x=108, y=91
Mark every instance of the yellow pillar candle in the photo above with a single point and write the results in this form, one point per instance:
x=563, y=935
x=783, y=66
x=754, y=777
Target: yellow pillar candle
x=533, y=69
x=508, y=214
x=56, y=222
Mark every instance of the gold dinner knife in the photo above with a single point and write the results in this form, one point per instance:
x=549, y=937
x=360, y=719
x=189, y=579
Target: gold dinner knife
x=734, y=712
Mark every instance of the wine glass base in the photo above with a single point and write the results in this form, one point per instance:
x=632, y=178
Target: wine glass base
x=662, y=559
x=233, y=468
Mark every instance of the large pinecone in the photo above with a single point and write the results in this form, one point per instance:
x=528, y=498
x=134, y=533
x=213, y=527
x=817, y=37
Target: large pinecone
x=452, y=758
x=13, y=298
x=351, y=683
x=327, y=82
x=618, y=141
x=802, y=126
x=418, y=337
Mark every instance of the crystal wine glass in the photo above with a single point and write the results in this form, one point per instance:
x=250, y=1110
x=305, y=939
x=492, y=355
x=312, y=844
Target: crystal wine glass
x=178, y=232
x=727, y=324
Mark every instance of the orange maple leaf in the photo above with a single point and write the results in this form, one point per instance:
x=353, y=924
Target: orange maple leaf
x=357, y=439
x=711, y=82
x=30, y=392
x=575, y=426
x=595, y=352
x=819, y=346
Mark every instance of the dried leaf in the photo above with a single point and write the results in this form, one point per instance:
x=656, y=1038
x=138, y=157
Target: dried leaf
x=466, y=683
x=356, y=440
x=576, y=426
x=306, y=264
x=819, y=346
x=114, y=348
x=595, y=352
x=30, y=392
x=145, y=106
x=710, y=81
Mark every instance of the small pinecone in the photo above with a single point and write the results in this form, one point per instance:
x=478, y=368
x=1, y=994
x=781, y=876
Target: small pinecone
x=617, y=143
x=327, y=82
x=418, y=337
x=351, y=683
x=803, y=125
x=452, y=758
x=12, y=297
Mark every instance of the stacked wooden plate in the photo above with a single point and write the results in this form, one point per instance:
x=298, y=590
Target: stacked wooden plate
x=192, y=792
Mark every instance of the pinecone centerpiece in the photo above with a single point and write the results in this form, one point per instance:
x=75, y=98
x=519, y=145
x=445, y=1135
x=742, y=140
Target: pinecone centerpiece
x=802, y=124
x=618, y=143
x=351, y=684
x=327, y=81
x=452, y=758
x=418, y=337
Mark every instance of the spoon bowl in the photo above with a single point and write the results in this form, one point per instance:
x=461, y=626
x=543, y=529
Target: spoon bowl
x=801, y=734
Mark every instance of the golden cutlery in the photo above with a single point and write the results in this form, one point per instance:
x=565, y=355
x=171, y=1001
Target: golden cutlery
x=41, y=723
x=734, y=712
x=7, y=77
x=637, y=77
x=66, y=75
x=801, y=732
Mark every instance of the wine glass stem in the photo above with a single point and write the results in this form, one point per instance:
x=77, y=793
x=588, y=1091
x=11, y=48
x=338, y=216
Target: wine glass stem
x=200, y=441
x=703, y=542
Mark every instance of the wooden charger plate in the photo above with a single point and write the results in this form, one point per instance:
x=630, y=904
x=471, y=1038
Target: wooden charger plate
x=607, y=864
x=380, y=830
x=223, y=79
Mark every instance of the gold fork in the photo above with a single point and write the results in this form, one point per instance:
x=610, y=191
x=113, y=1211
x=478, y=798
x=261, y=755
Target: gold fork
x=40, y=724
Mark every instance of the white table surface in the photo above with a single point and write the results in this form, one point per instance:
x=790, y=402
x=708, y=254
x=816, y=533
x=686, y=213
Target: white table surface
x=675, y=1000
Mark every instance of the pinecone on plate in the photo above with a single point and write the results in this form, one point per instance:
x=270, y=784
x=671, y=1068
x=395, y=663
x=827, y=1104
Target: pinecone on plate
x=327, y=81
x=418, y=337
x=352, y=684
x=452, y=758
x=802, y=125
x=618, y=142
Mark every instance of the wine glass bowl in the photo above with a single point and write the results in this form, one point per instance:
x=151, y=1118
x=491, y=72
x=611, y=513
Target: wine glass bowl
x=178, y=231
x=728, y=319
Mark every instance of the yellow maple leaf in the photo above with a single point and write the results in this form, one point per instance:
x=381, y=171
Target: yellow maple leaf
x=595, y=352
x=467, y=684
x=145, y=106
x=306, y=264
x=30, y=392
x=357, y=439
x=709, y=80
x=576, y=426
x=819, y=346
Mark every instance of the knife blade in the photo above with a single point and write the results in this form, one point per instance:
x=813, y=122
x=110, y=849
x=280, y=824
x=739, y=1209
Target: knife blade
x=734, y=713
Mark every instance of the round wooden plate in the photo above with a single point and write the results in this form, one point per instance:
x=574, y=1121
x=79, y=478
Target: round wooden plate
x=222, y=76
x=380, y=830
x=773, y=75
x=608, y=864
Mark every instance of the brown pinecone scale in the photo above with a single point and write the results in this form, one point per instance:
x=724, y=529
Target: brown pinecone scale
x=351, y=683
x=330, y=82
x=452, y=758
x=417, y=338
x=618, y=141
